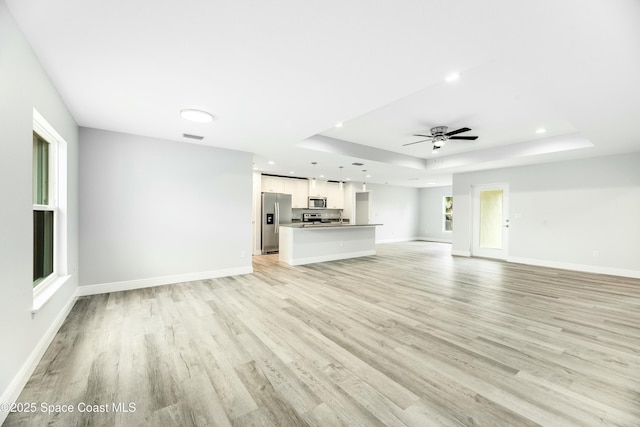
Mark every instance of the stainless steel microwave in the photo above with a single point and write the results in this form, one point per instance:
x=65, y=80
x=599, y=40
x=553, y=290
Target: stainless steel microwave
x=317, y=202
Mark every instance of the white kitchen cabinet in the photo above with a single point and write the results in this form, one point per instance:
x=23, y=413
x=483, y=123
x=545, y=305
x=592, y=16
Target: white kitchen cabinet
x=335, y=196
x=299, y=190
x=319, y=189
x=302, y=193
x=349, y=201
x=273, y=184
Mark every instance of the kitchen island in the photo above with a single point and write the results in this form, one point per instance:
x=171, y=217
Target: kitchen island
x=309, y=243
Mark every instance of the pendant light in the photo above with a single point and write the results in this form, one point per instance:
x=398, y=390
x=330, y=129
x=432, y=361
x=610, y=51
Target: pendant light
x=313, y=181
x=364, y=176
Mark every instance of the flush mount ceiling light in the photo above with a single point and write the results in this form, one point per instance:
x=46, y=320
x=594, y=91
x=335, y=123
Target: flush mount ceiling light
x=541, y=130
x=197, y=116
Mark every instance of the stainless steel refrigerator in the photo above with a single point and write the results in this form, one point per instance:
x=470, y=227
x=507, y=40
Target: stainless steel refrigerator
x=276, y=210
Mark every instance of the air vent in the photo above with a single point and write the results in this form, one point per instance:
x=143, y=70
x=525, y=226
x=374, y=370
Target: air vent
x=357, y=164
x=198, y=137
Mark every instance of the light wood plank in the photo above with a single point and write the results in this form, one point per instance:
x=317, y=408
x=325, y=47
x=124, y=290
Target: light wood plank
x=411, y=336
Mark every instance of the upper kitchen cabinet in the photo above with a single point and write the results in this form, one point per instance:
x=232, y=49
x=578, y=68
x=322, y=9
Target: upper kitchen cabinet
x=319, y=189
x=335, y=196
x=273, y=184
x=299, y=190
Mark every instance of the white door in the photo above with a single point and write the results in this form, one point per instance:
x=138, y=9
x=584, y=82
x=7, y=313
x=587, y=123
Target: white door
x=491, y=221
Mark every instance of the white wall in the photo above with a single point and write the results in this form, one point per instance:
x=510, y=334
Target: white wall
x=257, y=213
x=156, y=211
x=23, y=86
x=561, y=212
x=397, y=209
x=430, y=214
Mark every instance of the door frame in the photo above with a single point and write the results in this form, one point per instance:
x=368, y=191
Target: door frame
x=476, y=250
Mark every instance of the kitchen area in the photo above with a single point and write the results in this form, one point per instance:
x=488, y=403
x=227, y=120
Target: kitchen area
x=308, y=220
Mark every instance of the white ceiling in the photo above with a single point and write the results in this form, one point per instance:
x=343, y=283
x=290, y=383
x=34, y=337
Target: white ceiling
x=279, y=75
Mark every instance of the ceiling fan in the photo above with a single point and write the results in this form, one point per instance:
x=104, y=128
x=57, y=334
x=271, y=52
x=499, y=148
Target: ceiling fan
x=439, y=136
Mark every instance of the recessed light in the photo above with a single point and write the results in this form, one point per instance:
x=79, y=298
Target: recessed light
x=368, y=176
x=292, y=172
x=321, y=176
x=339, y=125
x=271, y=162
x=198, y=116
x=452, y=77
x=357, y=164
x=541, y=130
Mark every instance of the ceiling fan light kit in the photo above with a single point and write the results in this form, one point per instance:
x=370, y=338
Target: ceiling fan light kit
x=439, y=136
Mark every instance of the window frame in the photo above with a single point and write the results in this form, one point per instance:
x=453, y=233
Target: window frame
x=45, y=288
x=51, y=205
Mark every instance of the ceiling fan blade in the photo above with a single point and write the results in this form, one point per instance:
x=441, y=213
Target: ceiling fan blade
x=411, y=143
x=454, y=132
x=424, y=136
x=467, y=138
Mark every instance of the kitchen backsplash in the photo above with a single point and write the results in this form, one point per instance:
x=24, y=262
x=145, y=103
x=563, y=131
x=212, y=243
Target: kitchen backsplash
x=330, y=214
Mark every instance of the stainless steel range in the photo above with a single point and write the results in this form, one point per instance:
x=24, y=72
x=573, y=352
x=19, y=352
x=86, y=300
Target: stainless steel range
x=311, y=217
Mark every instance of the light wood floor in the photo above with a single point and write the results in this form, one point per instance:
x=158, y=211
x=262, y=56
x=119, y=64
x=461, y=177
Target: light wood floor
x=411, y=336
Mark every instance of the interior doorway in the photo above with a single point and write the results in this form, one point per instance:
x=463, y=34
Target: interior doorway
x=491, y=221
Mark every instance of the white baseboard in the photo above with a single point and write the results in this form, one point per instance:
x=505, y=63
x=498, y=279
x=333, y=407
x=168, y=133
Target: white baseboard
x=397, y=240
x=324, y=258
x=456, y=252
x=577, y=267
x=433, y=239
x=11, y=394
x=104, y=288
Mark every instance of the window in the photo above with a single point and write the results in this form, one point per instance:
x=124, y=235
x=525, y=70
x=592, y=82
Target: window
x=43, y=209
x=447, y=213
x=49, y=170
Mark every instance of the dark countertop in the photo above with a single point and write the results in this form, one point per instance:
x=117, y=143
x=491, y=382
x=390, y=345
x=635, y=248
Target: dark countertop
x=326, y=225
